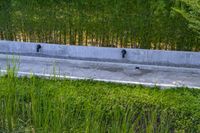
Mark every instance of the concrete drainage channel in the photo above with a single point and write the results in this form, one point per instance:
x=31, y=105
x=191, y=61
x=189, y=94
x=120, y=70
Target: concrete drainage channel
x=165, y=69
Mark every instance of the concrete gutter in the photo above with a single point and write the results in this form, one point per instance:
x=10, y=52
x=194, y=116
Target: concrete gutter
x=165, y=69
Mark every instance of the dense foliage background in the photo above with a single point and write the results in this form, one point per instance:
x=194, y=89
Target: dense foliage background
x=155, y=24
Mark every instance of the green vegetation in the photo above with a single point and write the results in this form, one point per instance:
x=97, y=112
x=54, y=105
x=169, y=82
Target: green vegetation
x=55, y=106
x=150, y=24
x=190, y=10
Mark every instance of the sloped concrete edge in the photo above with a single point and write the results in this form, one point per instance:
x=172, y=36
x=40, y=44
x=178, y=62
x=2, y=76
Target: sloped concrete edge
x=140, y=56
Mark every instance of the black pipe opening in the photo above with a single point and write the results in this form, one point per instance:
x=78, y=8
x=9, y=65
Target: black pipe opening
x=137, y=68
x=123, y=53
x=38, y=48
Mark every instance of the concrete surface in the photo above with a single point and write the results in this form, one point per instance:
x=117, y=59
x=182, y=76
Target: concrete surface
x=150, y=75
x=134, y=56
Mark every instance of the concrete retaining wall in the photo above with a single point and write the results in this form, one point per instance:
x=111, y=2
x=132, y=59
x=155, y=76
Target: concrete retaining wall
x=154, y=57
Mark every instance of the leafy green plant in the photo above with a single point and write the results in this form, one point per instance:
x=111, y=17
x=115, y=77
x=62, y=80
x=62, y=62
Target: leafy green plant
x=190, y=10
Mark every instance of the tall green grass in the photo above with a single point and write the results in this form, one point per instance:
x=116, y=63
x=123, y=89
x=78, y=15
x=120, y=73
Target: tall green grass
x=145, y=24
x=54, y=106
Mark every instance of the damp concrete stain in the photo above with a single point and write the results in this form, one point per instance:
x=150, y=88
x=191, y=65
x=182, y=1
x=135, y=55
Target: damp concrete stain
x=137, y=72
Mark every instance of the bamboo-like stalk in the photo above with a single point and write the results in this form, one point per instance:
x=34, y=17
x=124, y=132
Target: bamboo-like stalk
x=102, y=23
